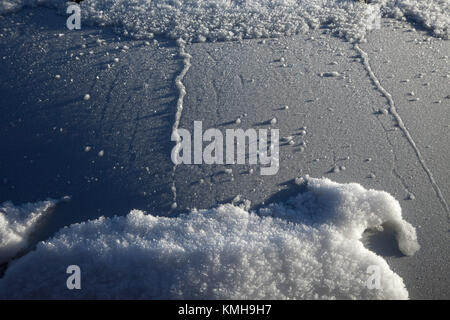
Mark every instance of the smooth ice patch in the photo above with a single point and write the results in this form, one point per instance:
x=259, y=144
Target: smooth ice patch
x=16, y=225
x=308, y=247
x=201, y=20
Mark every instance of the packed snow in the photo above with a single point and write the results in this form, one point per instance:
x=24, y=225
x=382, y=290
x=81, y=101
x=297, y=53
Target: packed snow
x=199, y=20
x=308, y=247
x=16, y=225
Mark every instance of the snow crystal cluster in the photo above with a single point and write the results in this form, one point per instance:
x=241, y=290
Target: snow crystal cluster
x=212, y=20
x=308, y=247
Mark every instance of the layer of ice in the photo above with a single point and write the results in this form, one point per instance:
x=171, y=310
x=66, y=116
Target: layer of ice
x=308, y=247
x=16, y=225
x=201, y=20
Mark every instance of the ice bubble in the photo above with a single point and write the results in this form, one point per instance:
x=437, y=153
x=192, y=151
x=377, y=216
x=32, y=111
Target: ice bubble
x=332, y=74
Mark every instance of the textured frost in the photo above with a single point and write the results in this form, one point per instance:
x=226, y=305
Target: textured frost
x=198, y=20
x=308, y=247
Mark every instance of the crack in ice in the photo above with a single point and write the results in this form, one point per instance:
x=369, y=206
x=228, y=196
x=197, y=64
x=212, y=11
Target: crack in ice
x=402, y=126
x=181, y=93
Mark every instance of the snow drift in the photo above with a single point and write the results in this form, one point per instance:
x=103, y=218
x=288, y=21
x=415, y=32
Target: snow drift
x=306, y=248
x=200, y=20
x=16, y=225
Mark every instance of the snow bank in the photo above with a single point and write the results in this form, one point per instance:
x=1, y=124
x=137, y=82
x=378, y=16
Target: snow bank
x=433, y=15
x=16, y=225
x=308, y=247
x=201, y=20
